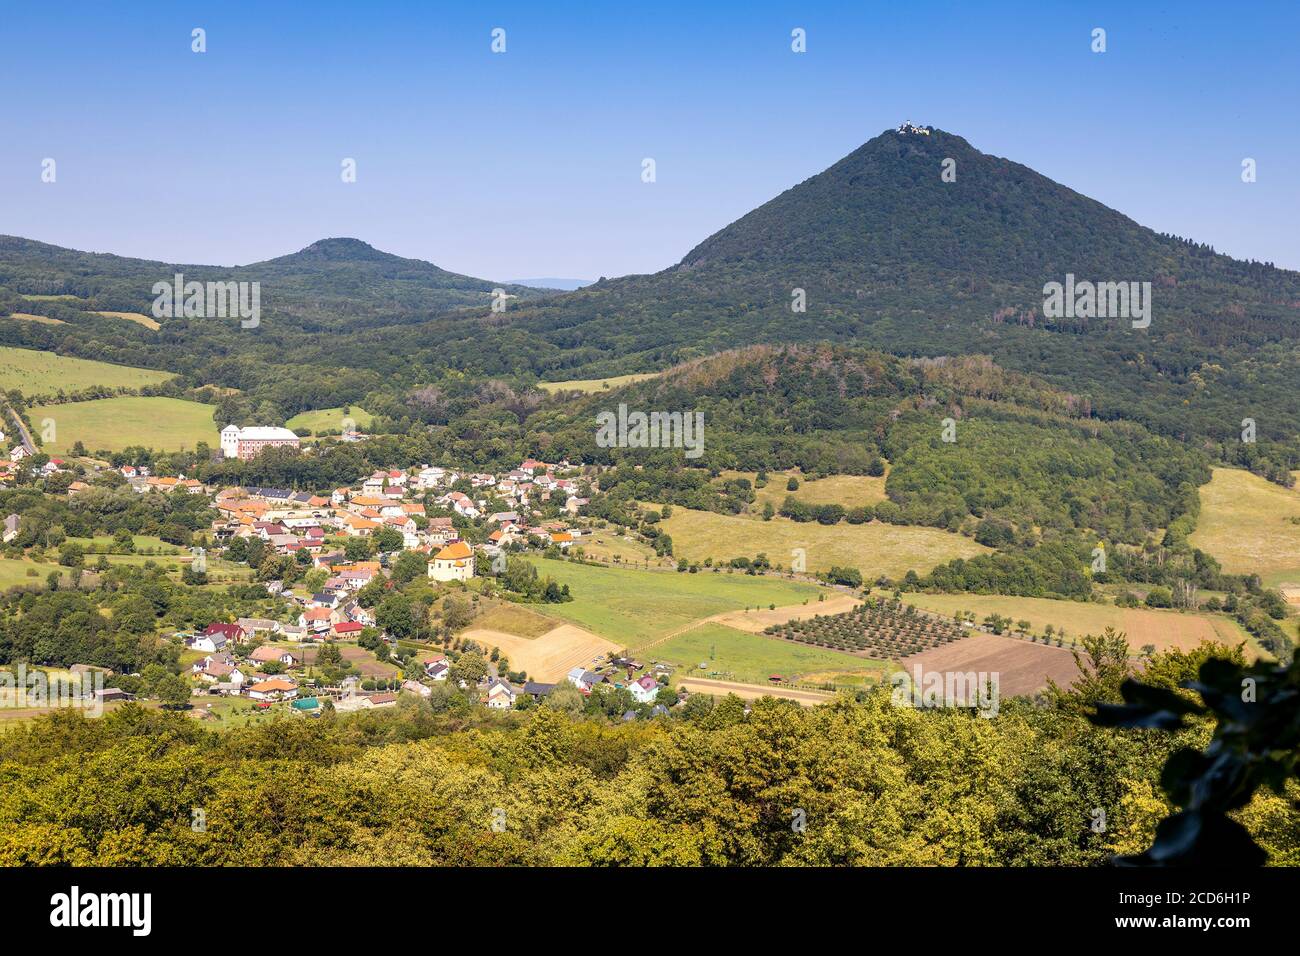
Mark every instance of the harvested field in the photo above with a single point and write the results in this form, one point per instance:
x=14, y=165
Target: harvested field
x=1023, y=667
x=549, y=657
x=1162, y=628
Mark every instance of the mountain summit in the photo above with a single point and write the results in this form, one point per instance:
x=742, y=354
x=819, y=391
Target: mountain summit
x=920, y=197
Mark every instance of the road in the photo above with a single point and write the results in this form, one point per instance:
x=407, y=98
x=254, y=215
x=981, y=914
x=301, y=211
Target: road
x=23, y=434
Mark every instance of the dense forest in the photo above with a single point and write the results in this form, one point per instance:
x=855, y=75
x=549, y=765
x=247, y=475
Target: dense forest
x=444, y=783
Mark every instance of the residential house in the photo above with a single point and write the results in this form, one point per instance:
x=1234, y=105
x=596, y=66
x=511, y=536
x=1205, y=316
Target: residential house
x=348, y=630
x=214, y=670
x=538, y=691
x=415, y=687
x=264, y=655
x=277, y=688
x=501, y=695
x=214, y=637
x=644, y=690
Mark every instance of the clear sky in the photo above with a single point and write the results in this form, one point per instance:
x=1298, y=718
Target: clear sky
x=528, y=163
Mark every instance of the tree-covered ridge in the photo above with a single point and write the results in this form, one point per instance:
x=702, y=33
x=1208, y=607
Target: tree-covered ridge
x=1017, y=449
x=887, y=253
x=1043, y=475
x=331, y=284
x=852, y=783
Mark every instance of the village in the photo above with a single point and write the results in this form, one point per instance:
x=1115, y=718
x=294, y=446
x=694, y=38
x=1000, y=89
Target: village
x=352, y=539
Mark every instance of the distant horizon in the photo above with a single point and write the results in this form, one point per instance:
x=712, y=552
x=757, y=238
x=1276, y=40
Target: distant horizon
x=461, y=162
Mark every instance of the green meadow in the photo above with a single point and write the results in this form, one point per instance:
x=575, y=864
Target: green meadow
x=112, y=424
x=37, y=374
x=632, y=607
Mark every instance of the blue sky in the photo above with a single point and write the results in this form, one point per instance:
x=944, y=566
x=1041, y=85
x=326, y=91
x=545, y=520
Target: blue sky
x=528, y=163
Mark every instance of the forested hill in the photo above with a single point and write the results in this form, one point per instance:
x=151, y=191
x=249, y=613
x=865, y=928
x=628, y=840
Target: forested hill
x=886, y=252
x=335, y=284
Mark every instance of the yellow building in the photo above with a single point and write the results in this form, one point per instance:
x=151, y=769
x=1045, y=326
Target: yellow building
x=453, y=563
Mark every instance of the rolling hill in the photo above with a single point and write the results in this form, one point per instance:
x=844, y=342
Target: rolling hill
x=886, y=251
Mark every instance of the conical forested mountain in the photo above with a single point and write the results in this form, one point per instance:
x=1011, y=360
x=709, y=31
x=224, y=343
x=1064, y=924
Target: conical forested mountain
x=882, y=249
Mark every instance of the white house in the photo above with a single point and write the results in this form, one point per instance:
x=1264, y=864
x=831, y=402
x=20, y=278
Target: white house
x=275, y=689
x=500, y=695
x=436, y=667
x=644, y=690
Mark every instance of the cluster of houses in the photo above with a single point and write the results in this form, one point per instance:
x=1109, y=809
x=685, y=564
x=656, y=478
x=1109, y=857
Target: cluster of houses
x=290, y=522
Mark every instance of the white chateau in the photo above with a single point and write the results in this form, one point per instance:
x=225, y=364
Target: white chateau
x=247, y=443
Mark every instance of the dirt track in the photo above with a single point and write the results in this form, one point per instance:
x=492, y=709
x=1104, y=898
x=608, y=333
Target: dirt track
x=806, y=698
x=756, y=621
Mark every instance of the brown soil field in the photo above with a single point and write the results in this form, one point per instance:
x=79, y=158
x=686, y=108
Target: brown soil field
x=1023, y=667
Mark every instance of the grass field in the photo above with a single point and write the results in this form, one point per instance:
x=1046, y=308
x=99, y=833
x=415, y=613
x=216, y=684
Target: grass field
x=138, y=318
x=874, y=548
x=1164, y=629
x=14, y=571
x=514, y=619
x=632, y=608
x=752, y=658
x=44, y=373
x=165, y=424
x=330, y=419
x=142, y=542
x=1246, y=522
x=847, y=490
x=594, y=384
x=611, y=548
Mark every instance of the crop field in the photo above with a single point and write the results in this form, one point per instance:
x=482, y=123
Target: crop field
x=514, y=619
x=632, y=608
x=1164, y=629
x=731, y=654
x=549, y=656
x=1250, y=524
x=44, y=373
x=758, y=620
x=112, y=424
x=874, y=548
x=1022, y=667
